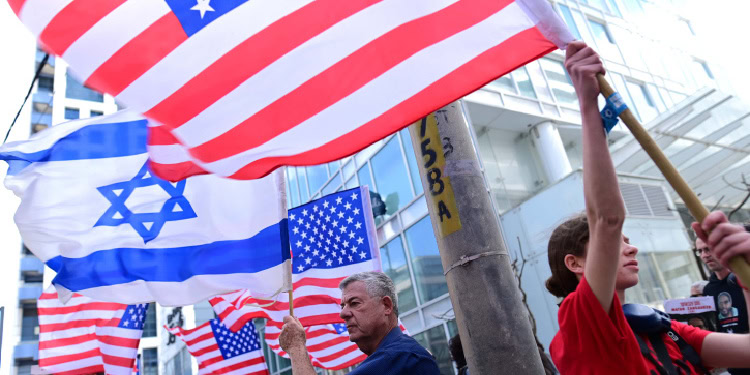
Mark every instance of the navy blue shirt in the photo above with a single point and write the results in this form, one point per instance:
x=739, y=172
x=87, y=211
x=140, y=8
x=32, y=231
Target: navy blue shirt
x=398, y=354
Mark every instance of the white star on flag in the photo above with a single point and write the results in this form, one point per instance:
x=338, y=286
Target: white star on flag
x=203, y=6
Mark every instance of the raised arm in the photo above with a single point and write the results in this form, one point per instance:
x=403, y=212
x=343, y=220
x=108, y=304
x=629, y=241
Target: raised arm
x=725, y=241
x=604, y=206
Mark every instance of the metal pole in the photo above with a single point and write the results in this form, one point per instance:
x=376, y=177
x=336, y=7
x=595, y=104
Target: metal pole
x=494, y=326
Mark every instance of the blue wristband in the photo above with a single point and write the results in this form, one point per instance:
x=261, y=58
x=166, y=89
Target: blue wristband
x=612, y=109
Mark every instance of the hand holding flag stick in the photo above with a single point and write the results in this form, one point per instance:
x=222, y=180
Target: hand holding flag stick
x=740, y=267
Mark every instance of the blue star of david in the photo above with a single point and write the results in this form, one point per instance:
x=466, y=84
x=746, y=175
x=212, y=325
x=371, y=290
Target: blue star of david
x=139, y=221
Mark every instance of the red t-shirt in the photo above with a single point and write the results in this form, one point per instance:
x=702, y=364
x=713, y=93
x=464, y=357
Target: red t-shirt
x=590, y=341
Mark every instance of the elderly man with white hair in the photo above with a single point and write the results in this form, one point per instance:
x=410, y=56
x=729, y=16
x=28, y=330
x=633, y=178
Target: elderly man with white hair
x=369, y=308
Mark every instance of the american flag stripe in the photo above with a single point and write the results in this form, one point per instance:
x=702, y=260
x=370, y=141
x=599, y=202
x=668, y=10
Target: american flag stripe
x=87, y=53
x=137, y=56
x=230, y=106
x=73, y=21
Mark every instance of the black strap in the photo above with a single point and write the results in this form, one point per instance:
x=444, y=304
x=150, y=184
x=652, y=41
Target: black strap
x=688, y=352
x=648, y=354
x=661, y=352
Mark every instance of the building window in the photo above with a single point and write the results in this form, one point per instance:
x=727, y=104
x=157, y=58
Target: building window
x=634, y=6
x=72, y=113
x=568, y=17
x=76, y=90
x=434, y=340
x=364, y=178
x=396, y=267
x=179, y=364
x=32, y=277
x=96, y=113
x=150, y=361
x=317, y=176
x=389, y=172
x=46, y=84
x=644, y=104
x=601, y=34
x=413, y=168
x=562, y=86
x=425, y=259
x=613, y=8
x=302, y=177
x=525, y=87
x=291, y=178
x=29, y=323
x=149, y=326
x=23, y=366
x=504, y=83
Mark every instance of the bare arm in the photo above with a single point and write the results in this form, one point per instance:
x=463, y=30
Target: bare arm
x=293, y=341
x=604, y=206
x=726, y=241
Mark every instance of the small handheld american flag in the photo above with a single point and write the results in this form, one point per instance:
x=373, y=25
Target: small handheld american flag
x=331, y=238
x=221, y=351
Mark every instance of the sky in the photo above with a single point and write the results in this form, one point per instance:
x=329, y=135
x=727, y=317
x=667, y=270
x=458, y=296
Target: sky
x=719, y=24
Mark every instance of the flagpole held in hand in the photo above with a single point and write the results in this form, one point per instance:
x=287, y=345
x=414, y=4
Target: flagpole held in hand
x=740, y=267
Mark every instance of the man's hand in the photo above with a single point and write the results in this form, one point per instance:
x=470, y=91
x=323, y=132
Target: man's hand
x=292, y=337
x=726, y=240
x=583, y=64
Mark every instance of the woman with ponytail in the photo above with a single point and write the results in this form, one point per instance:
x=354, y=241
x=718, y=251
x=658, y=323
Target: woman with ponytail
x=592, y=263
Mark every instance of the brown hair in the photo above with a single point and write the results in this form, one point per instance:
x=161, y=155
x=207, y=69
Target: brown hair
x=569, y=237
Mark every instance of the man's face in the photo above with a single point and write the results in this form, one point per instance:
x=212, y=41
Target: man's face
x=365, y=316
x=696, y=322
x=725, y=305
x=702, y=250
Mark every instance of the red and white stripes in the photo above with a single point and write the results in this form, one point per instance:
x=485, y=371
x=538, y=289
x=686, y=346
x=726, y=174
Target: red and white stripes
x=83, y=337
x=262, y=85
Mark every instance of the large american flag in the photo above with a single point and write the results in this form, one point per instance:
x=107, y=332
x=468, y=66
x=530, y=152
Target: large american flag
x=331, y=238
x=84, y=336
x=221, y=351
x=328, y=345
x=242, y=87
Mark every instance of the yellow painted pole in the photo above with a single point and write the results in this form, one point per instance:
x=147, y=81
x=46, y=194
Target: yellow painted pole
x=696, y=208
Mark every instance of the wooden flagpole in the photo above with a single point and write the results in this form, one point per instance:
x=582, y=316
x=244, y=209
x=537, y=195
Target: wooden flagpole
x=696, y=208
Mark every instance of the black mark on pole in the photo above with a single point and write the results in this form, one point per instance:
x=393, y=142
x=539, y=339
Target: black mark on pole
x=443, y=210
x=431, y=154
x=423, y=127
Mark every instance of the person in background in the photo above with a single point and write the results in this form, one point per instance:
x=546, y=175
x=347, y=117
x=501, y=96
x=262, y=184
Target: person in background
x=457, y=353
x=696, y=290
x=370, y=310
x=728, y=295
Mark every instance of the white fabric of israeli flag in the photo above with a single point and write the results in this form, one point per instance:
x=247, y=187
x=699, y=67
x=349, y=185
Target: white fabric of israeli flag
x=92, y=211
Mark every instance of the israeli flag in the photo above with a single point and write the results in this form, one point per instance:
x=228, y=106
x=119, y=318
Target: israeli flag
x=92, y=211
